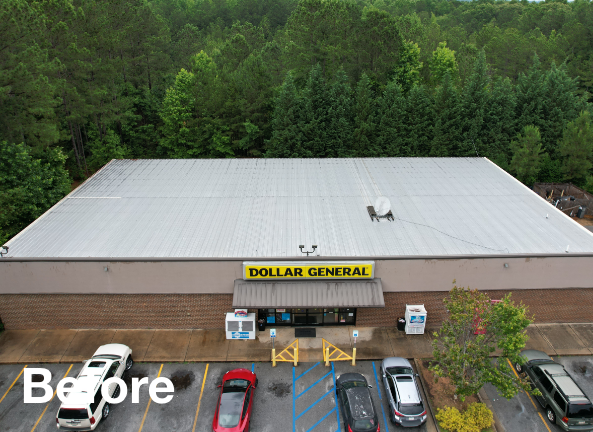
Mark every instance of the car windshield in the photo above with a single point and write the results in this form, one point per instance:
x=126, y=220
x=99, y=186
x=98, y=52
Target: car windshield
x=73, y=414
x=411, y=409
x=351, y=384
x=97, y=364
x=230, y=409
x=400, y=370
x=365, y=424
x=235, y=385
x=582, y=410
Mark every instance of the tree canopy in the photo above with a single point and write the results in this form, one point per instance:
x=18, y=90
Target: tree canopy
x=297, y=78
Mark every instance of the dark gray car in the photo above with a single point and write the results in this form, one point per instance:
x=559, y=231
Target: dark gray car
x=355, y=399
x=403, y=394
x=565, y=403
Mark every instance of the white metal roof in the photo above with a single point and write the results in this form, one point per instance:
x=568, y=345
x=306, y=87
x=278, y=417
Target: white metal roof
x=268, y=207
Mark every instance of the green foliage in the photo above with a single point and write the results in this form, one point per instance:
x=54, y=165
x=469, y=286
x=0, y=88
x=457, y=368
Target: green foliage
x=464, y=356
x=443, y=62
x=106, y=149
x=527, y=154
x=407, y=72
x=577, y=148
x=31, y=181
x=475, y=418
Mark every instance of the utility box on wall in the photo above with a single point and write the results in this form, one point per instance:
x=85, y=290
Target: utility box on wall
x=240, y=327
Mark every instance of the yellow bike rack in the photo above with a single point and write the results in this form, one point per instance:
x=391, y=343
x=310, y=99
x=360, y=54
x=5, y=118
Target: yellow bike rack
x=294, y=358
x=341, y=355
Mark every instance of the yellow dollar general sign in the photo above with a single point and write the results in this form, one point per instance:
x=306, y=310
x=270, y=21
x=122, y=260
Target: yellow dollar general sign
x=309, y=270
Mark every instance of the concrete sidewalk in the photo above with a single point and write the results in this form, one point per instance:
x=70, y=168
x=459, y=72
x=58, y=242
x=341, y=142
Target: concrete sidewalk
x=373, y=343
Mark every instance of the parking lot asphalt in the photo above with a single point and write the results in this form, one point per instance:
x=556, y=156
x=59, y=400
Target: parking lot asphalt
x=284, y=401
x=524, y=413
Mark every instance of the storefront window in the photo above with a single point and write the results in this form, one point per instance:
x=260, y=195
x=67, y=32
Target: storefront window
x=331, y=316
x=347, y=315
x=283, y=316
x=271, y=316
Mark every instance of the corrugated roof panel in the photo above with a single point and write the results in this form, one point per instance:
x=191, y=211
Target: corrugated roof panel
x=268, y=207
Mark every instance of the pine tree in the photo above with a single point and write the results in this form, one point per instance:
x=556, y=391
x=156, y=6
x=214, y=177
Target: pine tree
x=365, y=112
x=390, y=124
x=287, y=123
x=316, y=102
x=419, y=122
x=577, y=148
x=499, y=122
x=527, y=154
x=474, y=101
x=561, y=106
x=448, y=120
x=339, y=130
x=531, y=99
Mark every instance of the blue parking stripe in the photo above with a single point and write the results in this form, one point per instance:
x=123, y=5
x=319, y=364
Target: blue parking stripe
x=252, y=366
x=293, y=401
x=314, y=384
x=321, y=419
x=336, y=396
x=314, y=403
x=381, y=400
x=308, y=370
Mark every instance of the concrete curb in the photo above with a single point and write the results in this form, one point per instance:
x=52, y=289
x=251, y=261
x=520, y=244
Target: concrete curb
x=497, y=426
x=430, y=407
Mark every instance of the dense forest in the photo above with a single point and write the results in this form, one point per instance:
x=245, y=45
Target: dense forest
x=86, y=81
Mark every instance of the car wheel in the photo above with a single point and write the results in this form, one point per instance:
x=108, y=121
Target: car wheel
x=518, y=368
x=256, y=383
x=391, y=416
x=129, y=362
x=105, y=410
x=551, y=415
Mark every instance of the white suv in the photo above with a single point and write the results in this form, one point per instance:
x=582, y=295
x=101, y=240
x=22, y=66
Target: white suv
x=109, y=361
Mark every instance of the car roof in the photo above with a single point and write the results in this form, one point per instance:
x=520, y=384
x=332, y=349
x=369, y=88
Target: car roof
x=408, y=392
x=396, y=362
x=112, y=349
x=85, y=384
x=360, y=402
x=564, y=381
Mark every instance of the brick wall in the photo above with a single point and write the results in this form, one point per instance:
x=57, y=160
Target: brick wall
x=548, y=306
x=206, y=311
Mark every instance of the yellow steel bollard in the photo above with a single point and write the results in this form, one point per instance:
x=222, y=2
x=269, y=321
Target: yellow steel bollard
x=327, y=356
x=273, y=357
x=296, y=356
x=354, y=357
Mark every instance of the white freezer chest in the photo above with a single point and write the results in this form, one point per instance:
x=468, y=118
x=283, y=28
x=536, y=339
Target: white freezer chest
x=240, y=327
x=415, y=319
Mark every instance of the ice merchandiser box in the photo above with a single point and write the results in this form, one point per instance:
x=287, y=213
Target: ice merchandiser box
x=240, y=327
x=415, y=319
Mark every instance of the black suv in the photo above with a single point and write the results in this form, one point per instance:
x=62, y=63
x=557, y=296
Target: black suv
x=355, y=399
x=565, y=403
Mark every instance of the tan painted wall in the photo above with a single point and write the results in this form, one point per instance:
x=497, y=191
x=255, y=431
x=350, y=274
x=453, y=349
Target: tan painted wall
x=218, y=276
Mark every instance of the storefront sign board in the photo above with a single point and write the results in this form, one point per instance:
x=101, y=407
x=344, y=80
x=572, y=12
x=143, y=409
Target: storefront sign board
x=287, y=270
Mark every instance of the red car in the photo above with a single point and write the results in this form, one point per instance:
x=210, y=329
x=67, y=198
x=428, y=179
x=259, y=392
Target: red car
x=233, y=412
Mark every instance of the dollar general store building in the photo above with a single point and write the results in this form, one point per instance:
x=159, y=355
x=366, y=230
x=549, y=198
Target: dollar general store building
x=177, y=243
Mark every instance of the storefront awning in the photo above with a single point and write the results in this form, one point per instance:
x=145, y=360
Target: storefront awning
x=308, y=294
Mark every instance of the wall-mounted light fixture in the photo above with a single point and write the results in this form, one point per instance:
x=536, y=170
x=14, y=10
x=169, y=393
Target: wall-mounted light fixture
x=106, y=269
x=307, y=252
x=506, y=265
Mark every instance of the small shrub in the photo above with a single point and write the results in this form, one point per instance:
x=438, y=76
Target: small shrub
x=474, y=419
